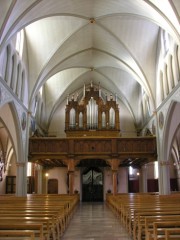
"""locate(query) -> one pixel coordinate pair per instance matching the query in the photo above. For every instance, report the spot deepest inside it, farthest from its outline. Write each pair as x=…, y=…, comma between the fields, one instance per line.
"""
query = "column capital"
x=20, y=164
x=165, y=163
x=71, y=165
x=114, y=163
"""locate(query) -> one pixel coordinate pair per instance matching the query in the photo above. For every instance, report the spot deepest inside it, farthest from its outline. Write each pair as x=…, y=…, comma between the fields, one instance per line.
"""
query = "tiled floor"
x=95, y=221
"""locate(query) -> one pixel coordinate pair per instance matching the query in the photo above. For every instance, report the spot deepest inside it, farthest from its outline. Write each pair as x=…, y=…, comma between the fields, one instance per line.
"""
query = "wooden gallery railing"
x=117, y=152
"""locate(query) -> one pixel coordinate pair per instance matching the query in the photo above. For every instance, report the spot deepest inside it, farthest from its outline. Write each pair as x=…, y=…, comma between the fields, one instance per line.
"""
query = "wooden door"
x=52, y=186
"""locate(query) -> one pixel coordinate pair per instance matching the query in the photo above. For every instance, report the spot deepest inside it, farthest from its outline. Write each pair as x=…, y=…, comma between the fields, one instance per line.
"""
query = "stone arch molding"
x=11, y=114
x=171, y=126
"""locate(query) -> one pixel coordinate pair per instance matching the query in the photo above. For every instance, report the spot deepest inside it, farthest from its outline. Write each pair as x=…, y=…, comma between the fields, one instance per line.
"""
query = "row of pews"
x=42, y=217
x=148, y=216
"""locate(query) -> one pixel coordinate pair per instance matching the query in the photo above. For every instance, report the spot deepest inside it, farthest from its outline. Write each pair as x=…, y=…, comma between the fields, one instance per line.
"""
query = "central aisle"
x=95, y=221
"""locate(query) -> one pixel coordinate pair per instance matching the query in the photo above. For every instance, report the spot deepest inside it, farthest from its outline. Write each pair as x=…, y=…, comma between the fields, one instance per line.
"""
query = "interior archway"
x=11, y=142
x=92, y=185
x=172, y=144
x=92, y=179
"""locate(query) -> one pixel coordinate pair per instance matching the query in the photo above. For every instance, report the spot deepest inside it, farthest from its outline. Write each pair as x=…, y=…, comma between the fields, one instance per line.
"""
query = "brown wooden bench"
x=37, y=228
x=139, y=222
x=17, y=235
x=163, y=229
x=149, y=221
x=172, y=233
x=54, y=212
x=134, y=208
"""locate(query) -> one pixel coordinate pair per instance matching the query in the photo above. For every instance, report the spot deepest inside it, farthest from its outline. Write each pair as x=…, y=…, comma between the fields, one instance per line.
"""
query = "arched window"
x=23, y=86
x=165, y=36
x=29, y=169
x=8, y=65
x=35, y=105
x=72, y=122
x=19, y=80
x=161, y=86
x=156, y=172
x=20, y=42
x=148, y=106
x=13, y=71
x=41, y=113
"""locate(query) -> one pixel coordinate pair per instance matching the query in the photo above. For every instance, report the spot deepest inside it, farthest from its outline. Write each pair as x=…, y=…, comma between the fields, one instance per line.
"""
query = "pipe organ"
x=92, y=114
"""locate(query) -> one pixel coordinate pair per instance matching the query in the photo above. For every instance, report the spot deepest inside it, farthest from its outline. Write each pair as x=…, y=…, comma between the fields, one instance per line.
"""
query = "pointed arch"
x=171, y=126
x=9, y=117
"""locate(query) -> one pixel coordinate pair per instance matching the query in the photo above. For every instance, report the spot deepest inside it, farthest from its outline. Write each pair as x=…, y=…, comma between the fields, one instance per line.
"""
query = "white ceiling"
x=71, y=42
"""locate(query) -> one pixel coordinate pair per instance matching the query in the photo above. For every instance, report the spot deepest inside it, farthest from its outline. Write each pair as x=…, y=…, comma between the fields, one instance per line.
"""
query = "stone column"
x=21, y=179
x=143, y=179
x=38, y=179
x=164, y=178
x=163, y=164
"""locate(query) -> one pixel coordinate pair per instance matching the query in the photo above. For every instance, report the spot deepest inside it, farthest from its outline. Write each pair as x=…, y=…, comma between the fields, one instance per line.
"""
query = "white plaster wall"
x=108, y=183
x=126, y=122
x=77, y=180
x=61, y=175
x=122, y=176
x=57, y=124
x=123, y=180
x=12, y=167
x=150, y=170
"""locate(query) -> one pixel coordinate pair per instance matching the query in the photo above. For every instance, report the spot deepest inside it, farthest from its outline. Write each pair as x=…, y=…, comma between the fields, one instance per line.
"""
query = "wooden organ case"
x=92, y=115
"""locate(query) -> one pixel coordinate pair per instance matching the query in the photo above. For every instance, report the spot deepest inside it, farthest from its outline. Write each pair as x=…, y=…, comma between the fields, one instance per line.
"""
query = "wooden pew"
x=37, y=228
x=53, y=211
x=172, y=234
x=163, y=229
x=149, y=221
x=132, y=209
x=17, y=235
x=42, y=201
x=140, y=216
x=53, y=222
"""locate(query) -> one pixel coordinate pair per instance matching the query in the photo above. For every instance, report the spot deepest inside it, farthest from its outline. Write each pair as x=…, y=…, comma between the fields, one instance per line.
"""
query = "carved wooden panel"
x=137, y=145
x=48, y=145
x=92, y=146
x=137, y=150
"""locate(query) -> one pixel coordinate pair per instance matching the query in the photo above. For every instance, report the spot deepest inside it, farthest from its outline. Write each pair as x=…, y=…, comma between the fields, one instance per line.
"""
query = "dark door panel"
x=92, y=185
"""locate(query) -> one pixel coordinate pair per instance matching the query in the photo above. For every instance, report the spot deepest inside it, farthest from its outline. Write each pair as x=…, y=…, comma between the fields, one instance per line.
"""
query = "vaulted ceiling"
x=72, y=42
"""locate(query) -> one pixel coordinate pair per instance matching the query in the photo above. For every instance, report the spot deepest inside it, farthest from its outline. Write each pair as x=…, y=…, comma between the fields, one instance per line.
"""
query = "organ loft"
x=92, y=114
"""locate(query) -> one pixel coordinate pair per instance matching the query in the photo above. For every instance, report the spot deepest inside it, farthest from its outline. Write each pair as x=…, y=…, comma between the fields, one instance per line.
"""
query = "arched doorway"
x=92, y=185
